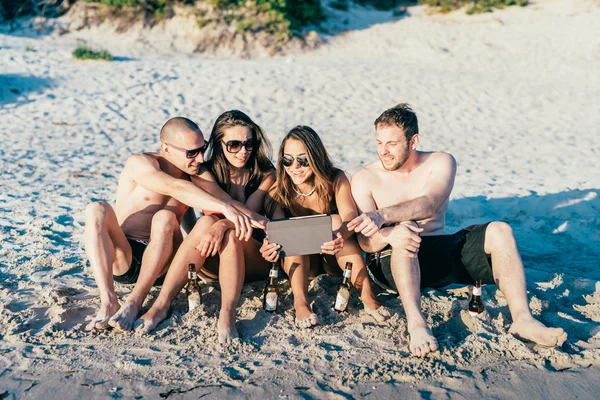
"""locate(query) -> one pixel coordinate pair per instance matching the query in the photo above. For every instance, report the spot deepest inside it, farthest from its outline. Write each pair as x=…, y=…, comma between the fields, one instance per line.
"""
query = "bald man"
x=133, y=242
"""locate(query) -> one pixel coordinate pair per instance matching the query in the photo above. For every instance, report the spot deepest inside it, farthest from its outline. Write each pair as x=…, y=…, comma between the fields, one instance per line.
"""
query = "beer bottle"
x=476, y=306
x=271, y=293
x=192, y=289
x=343, y=291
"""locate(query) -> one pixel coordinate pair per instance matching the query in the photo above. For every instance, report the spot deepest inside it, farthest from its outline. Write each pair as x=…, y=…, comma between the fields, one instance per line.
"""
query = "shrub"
x=86, y=53
x=474, y=6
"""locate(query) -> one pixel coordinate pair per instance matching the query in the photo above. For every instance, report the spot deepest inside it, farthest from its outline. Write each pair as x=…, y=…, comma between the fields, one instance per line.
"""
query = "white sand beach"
x=514, y=95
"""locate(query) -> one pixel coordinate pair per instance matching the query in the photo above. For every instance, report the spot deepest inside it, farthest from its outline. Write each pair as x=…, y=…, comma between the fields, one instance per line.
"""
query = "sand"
x=513, y=95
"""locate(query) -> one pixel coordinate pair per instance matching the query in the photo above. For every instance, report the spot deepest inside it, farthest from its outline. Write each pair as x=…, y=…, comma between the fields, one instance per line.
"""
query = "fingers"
x=364, y=225
x=334, y=246
x=248, y=224
x=409, y=254
x=270, y=251
x=370, y=231
x=412, y=227
x=236, y=222
x=354, y=223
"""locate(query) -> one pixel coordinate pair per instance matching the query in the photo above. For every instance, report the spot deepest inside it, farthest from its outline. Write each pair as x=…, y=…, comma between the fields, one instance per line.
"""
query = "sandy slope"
x=512, y=95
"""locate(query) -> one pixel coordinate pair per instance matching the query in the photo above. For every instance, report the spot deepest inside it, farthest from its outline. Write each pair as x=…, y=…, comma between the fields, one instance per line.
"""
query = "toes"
x=433, y=346
x=91, y=326
x=140, y=327
x=113, y=321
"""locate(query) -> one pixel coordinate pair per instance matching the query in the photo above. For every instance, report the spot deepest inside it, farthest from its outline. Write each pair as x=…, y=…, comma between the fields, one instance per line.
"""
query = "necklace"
x=302, y=194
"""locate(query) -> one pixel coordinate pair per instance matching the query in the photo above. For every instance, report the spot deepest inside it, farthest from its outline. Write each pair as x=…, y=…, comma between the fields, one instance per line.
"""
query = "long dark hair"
x=259, y=162
x=282, y=192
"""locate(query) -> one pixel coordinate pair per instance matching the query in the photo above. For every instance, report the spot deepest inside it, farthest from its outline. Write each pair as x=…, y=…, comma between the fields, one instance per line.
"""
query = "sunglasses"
x=193, y=153
x=288, y=160
x=235, y=146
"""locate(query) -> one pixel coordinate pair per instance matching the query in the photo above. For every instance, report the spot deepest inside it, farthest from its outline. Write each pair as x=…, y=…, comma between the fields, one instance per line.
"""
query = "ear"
x=165, y=149
x=414, y=141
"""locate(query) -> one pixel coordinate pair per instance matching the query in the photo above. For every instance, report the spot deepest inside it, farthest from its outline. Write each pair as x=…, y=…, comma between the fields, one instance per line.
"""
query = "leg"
x=510, y=278
x=257, y=268
x=231, y=279
x=297, y=268
x=407, y=277
x=165, y=237
x=176, y=276
x=360, y=277
x=108, y=251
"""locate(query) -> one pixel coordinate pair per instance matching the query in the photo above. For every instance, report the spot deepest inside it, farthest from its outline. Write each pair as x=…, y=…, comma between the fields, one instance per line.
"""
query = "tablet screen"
x=300, y=235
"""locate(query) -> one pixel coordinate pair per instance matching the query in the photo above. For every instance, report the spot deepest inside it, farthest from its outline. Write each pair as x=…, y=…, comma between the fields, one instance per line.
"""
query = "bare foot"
x=101, y=319
x=226, y=327
x=305, y=318
x=422, y=340
x=531, y=329
x=124, y=318
x=380, y=313
x=148, y=321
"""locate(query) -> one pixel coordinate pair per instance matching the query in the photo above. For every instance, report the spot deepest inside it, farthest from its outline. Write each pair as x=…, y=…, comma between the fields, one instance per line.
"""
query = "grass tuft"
x=86, y=53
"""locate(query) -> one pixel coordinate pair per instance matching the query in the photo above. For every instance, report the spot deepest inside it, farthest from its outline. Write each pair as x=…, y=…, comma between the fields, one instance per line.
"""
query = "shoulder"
x=203, y=176
x=437, y=160
x=141, y=162
x=269, y=175
x=366, y=173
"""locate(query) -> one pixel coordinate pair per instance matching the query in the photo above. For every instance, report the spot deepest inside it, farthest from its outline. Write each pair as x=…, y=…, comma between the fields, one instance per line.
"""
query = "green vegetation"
x=29, y=48
x=341, y=5
x=473, y=6
x=444, y=6
x=86, y=53
x=280, y=18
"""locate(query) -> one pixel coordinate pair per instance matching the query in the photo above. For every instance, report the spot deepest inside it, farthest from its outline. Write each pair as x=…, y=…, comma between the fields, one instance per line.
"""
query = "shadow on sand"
x=15, y=89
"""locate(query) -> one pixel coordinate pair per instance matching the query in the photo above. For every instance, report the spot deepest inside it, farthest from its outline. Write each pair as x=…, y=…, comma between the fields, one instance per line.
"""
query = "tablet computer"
x=299, y=236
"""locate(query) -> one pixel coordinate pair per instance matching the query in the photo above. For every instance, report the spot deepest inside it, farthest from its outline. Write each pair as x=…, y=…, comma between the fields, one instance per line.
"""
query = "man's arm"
x=207, y=182
x=435, y=192
x=146, y=172
x=361, y=192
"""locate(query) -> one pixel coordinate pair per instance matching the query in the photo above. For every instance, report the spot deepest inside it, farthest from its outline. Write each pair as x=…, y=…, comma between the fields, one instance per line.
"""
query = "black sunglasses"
x=193, y=153
x=288, y=160
x=235, y=146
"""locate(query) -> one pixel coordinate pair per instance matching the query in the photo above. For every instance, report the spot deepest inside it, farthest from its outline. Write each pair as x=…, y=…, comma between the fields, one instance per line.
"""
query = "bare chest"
x=391, y=189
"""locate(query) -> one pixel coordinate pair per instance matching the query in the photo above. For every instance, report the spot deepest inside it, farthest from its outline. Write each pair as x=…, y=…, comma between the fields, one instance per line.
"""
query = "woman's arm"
x=344, y=202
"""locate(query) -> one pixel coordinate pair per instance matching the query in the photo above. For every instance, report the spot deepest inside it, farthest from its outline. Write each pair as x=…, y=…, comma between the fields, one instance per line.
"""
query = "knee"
x=497, y=235
x=397, y=237
x=229, y=239
x=165, y=220
x=95, y=212
x=205, y=221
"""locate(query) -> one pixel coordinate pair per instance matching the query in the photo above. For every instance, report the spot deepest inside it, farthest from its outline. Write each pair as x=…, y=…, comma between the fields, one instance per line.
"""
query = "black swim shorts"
x=443, y=259
x=137, y=251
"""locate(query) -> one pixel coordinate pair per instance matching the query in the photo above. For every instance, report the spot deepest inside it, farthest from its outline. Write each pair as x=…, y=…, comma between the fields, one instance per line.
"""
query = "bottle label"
x=194, y=301
x=474, y=313
x=476, y=291
x=341, y=300
x=274, y=273
x=192, y=275
x=271, y=301
x=347, y=273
